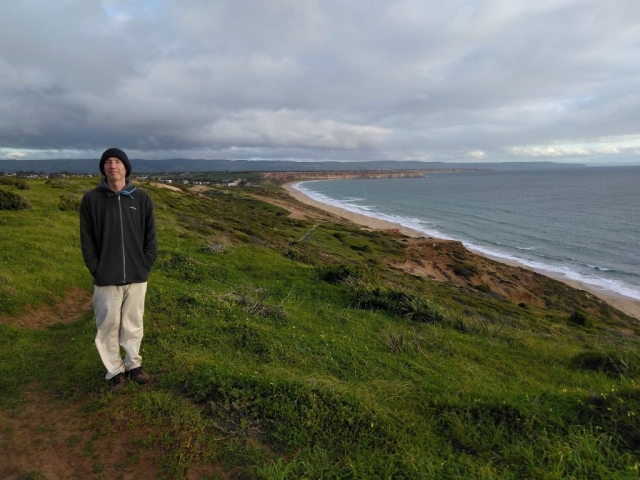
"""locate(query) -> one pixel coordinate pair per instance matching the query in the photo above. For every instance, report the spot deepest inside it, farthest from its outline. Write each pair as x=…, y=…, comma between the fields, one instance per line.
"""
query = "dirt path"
x=306, y=235
x=76, y=303
x=45, y=437
x=167, y=186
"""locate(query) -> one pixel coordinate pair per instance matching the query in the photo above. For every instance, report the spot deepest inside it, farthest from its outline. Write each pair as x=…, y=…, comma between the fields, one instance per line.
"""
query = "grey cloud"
x=319, y=79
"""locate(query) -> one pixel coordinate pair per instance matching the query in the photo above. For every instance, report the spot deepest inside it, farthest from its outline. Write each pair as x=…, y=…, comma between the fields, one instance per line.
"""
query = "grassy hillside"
x=290, y=348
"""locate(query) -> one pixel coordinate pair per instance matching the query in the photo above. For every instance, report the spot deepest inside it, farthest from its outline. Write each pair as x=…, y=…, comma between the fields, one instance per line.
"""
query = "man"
x=119, y=247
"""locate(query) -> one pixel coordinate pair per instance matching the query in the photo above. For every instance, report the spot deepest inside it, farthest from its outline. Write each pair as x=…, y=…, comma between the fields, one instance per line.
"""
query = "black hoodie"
x=118, y=234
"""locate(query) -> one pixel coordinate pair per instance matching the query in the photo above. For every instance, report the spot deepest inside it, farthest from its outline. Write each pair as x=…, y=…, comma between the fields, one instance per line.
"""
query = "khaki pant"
x=119, y=310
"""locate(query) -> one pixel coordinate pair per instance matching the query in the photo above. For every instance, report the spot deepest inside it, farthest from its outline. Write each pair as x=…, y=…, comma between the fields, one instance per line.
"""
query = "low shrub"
x=580, y=318
x=69, y=202
x=612, y=363
x=397, y=302
x=465, y=269
x=182, y=268
x=241, y=236
x=252, y=300
x=13, y=201
x=615, y=412
x=57, y=183
x=22, y=185
x=366, y=248
x=488, y=420
x=7, y=180
x=298, y=255
x=336, y=274
x=292, y=415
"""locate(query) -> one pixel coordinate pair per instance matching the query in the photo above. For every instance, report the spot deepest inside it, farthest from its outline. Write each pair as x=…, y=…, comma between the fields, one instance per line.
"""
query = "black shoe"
x=117, y=383
x=139, y=376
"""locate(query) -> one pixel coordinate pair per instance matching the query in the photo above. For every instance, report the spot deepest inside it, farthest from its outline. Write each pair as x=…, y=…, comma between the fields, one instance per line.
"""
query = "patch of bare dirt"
x=450, y=261
x=75, y=304
x=51, y=437
x=200, y=189
x=168, y=187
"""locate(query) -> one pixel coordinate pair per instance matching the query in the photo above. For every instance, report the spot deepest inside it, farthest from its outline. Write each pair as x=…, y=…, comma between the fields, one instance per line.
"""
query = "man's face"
x=114, y=169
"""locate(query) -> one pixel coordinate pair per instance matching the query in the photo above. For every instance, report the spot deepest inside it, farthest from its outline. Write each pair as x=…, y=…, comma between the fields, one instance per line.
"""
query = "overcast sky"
x=455, y=80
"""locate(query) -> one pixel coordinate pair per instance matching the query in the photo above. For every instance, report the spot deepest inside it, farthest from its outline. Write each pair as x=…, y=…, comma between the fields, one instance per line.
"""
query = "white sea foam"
x=562, y=271
x=600, y=269
x=412, y=223
x=607, y=285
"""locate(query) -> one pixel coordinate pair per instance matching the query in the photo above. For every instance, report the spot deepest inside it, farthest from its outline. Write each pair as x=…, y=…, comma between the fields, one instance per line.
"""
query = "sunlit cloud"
x=13, y=154
x=477, y=154
x=548, y=151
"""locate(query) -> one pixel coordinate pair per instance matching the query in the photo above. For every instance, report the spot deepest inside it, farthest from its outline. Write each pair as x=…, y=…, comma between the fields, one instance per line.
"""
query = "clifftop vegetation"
x=291, y=344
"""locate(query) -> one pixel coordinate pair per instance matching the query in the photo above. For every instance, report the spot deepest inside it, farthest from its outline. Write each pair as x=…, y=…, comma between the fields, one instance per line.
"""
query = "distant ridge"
x=175, y=165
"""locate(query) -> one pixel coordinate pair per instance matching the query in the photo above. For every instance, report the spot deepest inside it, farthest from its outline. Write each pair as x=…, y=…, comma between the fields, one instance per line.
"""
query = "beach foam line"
x=411, y=223
x=615, y=287
x=610, y=286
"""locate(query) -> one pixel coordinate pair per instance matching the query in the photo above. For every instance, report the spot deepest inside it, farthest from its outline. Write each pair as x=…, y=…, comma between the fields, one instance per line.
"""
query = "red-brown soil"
x=47, y=436
x=75, y=304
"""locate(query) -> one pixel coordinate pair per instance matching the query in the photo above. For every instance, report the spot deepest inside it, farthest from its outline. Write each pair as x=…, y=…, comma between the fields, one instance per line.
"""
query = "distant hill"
x=186, y=165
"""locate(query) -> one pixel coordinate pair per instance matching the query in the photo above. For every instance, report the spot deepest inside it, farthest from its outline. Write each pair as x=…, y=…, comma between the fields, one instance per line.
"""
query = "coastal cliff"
x=449, y=262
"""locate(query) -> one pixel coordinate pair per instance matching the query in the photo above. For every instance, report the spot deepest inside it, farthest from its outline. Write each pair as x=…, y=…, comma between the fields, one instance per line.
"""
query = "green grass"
x=281, y=358
x=40, y=247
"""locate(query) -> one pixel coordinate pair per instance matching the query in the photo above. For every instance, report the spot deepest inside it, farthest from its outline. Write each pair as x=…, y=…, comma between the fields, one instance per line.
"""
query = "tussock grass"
x=13, y=201
x=613, y=362
x=252, y=301
x=70, y=202
x=286, y=359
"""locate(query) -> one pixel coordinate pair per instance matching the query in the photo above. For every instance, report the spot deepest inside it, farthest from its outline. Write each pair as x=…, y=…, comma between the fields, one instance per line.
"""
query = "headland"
x=628, y=305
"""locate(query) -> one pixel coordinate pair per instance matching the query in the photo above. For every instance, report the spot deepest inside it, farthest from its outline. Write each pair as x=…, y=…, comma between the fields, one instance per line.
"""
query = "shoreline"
x=628, y=305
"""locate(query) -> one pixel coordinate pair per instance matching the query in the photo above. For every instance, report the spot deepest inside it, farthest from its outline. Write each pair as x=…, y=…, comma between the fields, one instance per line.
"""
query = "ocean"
x=581, y=223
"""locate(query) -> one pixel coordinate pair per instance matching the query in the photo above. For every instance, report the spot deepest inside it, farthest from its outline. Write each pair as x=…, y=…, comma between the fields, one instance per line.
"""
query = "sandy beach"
x=630, y=306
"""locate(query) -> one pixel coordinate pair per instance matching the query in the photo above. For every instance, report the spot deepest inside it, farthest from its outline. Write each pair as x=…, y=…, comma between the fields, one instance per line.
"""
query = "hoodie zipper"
x=124, y=261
